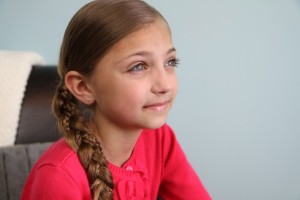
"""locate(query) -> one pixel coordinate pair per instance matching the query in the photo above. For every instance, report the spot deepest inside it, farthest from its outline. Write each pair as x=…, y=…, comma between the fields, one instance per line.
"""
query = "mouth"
x=161, y=106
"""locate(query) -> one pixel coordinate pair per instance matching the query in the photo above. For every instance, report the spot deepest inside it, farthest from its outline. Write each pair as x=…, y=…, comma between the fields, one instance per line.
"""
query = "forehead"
x=153, y=41
x=149, y=35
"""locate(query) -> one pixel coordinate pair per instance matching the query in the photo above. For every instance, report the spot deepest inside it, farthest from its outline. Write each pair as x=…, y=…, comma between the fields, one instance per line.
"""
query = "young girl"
x=118, y=83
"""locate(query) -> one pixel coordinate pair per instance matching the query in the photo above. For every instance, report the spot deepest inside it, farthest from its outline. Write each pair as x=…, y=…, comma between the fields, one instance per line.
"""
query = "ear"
x=77, y=85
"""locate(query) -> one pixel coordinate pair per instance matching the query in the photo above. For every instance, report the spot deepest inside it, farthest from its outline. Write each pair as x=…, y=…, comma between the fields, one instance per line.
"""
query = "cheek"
x=124, y=96
x=123, y=106
x=132, y=98
x=175, y=85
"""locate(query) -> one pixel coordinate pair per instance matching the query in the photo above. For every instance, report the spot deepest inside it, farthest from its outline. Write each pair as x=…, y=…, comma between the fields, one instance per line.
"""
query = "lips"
x=157, y=106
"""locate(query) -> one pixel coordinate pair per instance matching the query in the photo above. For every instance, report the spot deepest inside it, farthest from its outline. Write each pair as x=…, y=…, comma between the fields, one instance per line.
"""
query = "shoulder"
x=157, y=141
x=59, y=154
x=178, y=179
x=57, y=169
x=161, y=142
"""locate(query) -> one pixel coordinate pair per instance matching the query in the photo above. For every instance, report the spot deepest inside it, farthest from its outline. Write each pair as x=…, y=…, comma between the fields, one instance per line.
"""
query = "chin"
x=154, y=124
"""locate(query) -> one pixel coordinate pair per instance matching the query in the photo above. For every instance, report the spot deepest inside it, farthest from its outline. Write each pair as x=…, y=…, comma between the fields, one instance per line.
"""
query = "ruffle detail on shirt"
x=136, y=187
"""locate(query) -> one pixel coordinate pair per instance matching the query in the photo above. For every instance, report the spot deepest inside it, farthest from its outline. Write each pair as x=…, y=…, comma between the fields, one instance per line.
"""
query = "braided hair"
x=93, y=30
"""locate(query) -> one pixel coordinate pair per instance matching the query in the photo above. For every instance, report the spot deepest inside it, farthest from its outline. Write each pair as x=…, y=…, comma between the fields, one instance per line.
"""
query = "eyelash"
x=137, y=68
x=171, y=63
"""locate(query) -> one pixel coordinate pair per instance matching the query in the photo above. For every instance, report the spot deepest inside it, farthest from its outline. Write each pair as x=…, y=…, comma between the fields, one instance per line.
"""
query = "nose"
x=163, y=81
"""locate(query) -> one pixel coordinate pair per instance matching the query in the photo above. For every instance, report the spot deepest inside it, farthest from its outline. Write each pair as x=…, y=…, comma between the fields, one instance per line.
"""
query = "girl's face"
x=134, y=84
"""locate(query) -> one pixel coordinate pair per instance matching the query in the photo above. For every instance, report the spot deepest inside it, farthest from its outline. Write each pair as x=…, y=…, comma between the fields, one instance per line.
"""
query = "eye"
x=138, y=67
x=172, y=63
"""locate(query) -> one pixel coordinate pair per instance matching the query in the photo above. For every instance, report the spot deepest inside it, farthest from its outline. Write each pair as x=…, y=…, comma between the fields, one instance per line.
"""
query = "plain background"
x=237, y=115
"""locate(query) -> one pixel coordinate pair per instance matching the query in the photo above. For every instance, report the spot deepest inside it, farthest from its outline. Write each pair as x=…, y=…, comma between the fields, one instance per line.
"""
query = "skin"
x=132, y=87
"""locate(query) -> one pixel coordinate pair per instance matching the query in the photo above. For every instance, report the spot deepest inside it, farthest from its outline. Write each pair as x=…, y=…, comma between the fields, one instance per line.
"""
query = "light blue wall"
x=237, y=114
x=35, y=25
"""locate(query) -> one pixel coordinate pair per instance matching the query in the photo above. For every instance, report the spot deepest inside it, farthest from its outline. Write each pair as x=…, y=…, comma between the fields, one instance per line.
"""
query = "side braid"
x=74, y=128
x=95, y=165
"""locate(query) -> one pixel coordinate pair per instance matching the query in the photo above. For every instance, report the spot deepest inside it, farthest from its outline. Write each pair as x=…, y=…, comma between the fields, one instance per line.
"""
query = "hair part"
x=91, y=33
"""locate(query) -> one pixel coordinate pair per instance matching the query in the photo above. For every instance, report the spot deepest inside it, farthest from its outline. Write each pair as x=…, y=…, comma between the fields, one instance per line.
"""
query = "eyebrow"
x=145, y=53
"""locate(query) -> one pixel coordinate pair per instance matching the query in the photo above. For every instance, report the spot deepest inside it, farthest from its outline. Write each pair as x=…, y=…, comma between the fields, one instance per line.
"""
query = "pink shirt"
x=157, y=166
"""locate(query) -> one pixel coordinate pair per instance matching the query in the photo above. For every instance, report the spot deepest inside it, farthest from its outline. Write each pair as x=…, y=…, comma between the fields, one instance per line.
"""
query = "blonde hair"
x=93, y=30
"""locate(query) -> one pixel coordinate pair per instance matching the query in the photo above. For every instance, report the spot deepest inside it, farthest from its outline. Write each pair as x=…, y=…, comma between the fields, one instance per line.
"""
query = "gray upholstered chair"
x=15, y=164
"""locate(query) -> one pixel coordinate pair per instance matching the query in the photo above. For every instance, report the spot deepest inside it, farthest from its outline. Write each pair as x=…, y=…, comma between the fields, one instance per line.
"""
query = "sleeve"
x=179, y=180
x=52, y=183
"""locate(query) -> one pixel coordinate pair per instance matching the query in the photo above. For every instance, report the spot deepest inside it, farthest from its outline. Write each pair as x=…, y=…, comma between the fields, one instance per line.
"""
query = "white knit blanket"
x=15, y=67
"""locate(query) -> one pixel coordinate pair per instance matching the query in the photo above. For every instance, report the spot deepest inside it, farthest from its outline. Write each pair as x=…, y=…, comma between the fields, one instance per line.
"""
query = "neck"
x=117, y=144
